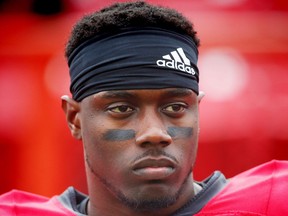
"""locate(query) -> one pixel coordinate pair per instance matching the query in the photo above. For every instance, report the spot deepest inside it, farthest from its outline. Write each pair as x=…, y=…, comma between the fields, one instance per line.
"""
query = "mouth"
x=154, y=169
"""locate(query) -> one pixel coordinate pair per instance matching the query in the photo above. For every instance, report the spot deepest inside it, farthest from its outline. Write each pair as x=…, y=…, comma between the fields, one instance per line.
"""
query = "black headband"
x=146, y=58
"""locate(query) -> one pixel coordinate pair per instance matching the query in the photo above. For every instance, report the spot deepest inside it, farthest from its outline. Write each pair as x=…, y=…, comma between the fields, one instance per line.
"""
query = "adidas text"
x=176, y=65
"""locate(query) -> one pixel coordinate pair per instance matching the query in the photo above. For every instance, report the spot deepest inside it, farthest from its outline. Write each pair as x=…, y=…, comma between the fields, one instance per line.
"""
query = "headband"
x=146, y=58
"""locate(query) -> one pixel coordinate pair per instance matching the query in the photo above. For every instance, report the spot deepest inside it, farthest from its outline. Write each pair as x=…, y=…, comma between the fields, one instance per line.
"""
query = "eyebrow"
x=116, y=94
x=178, y=92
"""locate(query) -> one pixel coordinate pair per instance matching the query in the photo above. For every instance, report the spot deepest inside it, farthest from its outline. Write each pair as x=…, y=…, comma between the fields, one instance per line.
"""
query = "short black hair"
x=125, y=15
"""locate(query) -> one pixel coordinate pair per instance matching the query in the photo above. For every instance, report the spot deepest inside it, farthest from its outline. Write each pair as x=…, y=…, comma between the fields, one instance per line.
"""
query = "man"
x=134, y=105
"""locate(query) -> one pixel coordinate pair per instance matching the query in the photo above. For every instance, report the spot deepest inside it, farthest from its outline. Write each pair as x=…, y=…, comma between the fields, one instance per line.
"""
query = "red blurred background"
x=243, y=70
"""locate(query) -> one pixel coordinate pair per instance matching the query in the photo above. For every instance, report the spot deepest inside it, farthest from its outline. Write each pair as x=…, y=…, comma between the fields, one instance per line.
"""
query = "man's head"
x=134, y=82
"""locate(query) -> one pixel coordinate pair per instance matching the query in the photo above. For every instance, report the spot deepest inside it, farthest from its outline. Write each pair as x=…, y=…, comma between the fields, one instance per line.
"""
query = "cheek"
x=193, y=146
x=185, y=140
x=106, y=149
x=95, y=149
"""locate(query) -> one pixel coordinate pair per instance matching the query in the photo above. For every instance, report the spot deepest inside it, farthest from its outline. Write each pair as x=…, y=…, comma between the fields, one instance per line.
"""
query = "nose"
x=152, y=132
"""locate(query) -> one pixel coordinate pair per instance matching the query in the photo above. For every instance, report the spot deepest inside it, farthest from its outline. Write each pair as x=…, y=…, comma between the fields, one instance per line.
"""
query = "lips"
x=154, y=169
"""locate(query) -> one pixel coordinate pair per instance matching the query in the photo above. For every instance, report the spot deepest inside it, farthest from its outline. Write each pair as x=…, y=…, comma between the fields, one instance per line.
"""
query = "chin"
x=150, y=203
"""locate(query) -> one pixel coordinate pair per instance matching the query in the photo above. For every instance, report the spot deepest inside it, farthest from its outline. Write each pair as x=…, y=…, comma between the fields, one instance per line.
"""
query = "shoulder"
x=18, y=202
x=259, y=191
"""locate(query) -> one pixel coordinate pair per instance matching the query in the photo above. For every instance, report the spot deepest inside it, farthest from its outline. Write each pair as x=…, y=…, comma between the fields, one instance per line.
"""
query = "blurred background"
x=243, y=70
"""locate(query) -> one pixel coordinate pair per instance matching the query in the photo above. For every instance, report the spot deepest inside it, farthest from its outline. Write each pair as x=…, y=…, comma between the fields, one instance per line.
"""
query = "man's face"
x=140, y=145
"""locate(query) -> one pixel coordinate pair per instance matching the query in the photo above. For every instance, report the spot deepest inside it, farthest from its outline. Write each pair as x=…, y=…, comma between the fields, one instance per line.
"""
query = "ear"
x=200, y=96
x=71, y=109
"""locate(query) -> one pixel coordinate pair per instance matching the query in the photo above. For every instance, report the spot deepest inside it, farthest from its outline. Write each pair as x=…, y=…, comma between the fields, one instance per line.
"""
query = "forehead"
x=167, y=92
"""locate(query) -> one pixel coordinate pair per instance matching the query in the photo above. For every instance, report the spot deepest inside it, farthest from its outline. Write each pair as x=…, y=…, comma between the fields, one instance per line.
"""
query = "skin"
x=119, y=129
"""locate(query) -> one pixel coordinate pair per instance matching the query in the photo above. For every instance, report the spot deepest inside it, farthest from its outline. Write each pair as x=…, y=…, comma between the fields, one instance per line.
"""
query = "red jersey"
x=27, y=204
x=256, y=192
x=260, y=191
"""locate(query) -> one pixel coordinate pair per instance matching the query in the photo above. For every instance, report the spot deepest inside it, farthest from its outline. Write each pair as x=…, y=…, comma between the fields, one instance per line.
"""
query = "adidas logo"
x=177, y=60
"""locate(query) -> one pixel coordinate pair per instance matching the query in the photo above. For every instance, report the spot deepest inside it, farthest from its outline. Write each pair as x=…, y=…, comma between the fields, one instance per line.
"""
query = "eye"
x=174, y=108
x=121, y=109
